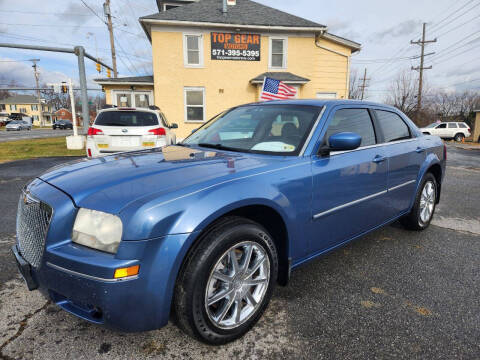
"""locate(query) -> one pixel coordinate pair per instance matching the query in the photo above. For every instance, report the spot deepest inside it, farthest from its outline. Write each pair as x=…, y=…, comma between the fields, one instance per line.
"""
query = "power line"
x=456, y=48
x=43, y=13
x=434, y=26
x=92, y=11
x=456, y=27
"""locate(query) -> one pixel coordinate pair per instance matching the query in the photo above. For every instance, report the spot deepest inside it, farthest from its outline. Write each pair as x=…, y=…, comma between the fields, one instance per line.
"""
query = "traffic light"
x=99, y=67
x=109, y=73
x=64, y=88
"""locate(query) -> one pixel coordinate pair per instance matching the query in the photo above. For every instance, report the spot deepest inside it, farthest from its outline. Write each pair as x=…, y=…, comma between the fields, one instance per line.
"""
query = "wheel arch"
x=265, y=215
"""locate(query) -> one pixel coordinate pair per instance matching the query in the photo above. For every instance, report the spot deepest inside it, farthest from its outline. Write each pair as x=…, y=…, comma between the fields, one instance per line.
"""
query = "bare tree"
x=354, y=88
x=403, y=93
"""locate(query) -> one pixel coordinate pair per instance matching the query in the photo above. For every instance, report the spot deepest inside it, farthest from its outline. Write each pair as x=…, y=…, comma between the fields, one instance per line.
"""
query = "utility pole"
x=364, y=84
x=108, y=14
x=35, y=72
x=421, y=67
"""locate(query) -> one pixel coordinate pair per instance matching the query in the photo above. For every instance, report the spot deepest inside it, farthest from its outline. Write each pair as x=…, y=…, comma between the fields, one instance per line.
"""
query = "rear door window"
x=126, y=118
x=353, y=120
x=452, y=125
x=392, y=125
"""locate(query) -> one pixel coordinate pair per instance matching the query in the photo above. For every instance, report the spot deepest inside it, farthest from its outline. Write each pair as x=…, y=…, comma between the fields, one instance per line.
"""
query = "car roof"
x=129, y=109
x=322, y=102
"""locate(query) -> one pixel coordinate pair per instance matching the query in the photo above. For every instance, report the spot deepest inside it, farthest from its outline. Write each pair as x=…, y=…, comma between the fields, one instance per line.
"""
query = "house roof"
x=287, y=77
x=143, y=80
x=20, y=100
x=244, y=13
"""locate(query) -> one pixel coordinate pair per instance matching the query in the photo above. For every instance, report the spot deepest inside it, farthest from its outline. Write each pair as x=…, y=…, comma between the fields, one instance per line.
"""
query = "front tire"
x=423, y=209
x=226, y=282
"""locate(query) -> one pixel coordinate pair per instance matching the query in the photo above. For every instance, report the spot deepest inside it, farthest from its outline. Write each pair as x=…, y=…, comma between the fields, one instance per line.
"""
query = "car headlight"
x=97, y=230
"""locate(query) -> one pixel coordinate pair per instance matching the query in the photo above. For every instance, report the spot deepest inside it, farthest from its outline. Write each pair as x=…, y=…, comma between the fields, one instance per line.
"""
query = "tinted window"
x=392, y=125
x=353, y=120
x=126, y=118
x=276, y=129
x=441, y=126
x=462, y=125
x=452, y=125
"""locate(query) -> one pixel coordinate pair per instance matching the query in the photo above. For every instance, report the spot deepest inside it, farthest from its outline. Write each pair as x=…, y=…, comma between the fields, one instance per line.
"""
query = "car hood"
x=111, y=183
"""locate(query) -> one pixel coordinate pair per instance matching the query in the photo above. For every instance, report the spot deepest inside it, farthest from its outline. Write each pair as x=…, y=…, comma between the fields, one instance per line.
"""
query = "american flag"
x=276, y=90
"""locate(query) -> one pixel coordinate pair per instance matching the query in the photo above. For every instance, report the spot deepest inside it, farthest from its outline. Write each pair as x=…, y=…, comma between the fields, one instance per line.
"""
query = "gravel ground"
x=392, y=294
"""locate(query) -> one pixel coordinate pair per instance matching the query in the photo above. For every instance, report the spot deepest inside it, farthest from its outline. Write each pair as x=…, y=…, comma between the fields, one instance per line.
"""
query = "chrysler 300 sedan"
x=202, y=231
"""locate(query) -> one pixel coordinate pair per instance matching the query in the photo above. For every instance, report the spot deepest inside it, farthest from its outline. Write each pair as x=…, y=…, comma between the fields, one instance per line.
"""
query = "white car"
x=448, y=130
x=127, y=129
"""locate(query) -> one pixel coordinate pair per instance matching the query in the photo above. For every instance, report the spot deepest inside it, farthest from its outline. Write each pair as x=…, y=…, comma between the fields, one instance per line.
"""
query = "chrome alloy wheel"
x=237, y=285
x=427, y=201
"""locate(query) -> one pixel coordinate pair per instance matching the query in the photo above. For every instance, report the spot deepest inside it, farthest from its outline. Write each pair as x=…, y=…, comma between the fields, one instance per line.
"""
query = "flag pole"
x=263, y=87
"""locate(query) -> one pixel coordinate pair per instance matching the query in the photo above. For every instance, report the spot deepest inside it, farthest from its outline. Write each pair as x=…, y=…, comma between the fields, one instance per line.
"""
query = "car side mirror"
x=194, y=130
x=173, y=126
x=342, y=141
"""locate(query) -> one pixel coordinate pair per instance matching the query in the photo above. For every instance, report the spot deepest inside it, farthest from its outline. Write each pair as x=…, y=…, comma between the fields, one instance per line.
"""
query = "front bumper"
x=81, y=280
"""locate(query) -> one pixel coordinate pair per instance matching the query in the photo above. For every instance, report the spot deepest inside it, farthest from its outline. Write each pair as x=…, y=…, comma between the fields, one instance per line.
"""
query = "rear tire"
x=421, y=215
x=226, y=282
x=459, y=137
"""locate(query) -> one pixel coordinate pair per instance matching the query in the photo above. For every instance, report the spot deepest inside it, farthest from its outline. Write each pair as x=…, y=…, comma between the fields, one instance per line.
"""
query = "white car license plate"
x=121, y=141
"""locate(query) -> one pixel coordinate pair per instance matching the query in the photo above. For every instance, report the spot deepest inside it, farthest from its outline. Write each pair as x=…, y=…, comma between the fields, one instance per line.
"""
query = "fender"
x=431, y=159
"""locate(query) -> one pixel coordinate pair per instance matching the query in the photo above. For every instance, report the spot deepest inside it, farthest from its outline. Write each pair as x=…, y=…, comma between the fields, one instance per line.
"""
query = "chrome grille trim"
x=33, y=219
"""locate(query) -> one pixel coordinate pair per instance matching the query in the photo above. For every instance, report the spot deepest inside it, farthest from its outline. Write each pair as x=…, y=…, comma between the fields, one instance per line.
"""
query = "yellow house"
x=206, y=60
x=28, y=105
x=476, y=126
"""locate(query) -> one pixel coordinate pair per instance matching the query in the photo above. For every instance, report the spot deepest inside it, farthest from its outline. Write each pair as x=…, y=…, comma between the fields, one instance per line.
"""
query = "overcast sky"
x=384, y=28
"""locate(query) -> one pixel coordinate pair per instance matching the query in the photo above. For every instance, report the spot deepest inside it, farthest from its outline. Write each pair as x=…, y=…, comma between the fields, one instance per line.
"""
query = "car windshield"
x=273, y=129
x=432, y=125
x=15, y=122
x=126, y=118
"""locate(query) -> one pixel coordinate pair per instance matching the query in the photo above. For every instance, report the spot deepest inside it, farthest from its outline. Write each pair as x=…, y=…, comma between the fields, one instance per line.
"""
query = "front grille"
x=33, y=218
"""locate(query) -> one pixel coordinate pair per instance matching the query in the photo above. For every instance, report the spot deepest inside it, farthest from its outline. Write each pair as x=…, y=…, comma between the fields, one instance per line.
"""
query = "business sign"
x=242, y=47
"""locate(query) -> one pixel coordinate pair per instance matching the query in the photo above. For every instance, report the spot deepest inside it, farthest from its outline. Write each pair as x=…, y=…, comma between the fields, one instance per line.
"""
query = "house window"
x=194, y=104
x=23, y=110
x=35, y=117
x=278, y=53
x=193, y=50
x=34, y=107
x=326, y=95
x=13, y=107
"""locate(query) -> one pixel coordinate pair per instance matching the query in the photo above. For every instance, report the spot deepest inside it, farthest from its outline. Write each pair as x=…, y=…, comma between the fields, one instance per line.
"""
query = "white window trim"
x=185, y=90
x=185, y=50
x=325, y=93
x=132, y=93
x=285, y=52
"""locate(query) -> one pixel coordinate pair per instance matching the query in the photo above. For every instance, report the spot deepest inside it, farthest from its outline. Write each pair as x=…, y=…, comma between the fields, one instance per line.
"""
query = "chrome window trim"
x=339, y=207
x=90, y=277
x=401, y=185
x=372, y=146
x=315, y=125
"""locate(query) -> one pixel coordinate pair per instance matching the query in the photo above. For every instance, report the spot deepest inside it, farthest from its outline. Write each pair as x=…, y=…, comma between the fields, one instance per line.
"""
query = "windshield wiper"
x=220, y=147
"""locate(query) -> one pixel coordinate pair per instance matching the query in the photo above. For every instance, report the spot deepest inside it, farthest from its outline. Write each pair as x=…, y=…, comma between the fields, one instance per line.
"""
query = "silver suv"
x=448, y=130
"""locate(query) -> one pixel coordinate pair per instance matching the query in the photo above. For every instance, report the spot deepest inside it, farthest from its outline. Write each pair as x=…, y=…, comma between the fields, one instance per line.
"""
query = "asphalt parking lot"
x=391, y=294
x=32, y=134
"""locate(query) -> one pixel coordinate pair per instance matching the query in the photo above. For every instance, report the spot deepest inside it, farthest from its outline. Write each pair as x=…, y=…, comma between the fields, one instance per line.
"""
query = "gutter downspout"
x=347, y=82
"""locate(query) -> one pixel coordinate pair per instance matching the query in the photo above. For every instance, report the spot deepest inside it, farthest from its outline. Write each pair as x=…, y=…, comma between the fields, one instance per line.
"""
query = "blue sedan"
x=204, y=230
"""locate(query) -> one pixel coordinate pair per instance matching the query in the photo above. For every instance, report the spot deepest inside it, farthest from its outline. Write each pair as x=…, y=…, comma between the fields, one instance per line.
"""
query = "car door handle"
x=420, y=150
x=379, y=158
